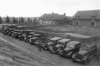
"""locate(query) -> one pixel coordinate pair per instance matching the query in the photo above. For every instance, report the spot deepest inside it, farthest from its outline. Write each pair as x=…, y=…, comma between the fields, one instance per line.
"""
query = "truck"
x=85, y=54
x=51, y=42
x=59, y=46
x=71, y=48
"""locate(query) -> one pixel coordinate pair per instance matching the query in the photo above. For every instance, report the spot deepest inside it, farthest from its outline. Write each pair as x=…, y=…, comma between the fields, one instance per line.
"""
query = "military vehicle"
x=85, y=54
x=51, y=42
x=28, y=36
x=59, y=46
x=71, y=48
x=33, y=39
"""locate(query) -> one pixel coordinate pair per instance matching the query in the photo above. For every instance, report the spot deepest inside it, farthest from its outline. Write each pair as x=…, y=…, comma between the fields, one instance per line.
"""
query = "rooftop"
x=55, y=38
x=64, y=40
x=73, y=42
x=88, y=14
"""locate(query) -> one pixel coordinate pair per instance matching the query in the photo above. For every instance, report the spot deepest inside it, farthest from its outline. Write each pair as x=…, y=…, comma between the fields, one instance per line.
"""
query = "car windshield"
x=82, y=52
x=23, y=34
x=70, y=46
x=84, y=48
x=34, y=38
x=59, y=44
x=31, y=33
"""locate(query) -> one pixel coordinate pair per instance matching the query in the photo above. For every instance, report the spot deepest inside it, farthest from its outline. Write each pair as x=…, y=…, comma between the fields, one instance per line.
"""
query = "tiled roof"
x=87, y=14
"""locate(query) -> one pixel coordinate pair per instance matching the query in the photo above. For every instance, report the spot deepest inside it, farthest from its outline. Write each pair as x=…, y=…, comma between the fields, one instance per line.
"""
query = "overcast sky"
x=31, y=8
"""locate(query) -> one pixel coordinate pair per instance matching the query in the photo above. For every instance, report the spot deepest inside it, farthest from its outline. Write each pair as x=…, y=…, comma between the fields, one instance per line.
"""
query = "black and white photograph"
x=49, y=32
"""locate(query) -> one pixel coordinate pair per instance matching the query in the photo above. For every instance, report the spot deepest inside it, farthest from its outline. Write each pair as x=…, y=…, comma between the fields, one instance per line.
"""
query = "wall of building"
x=98, y=23
x=41, y=22
x=86, y=22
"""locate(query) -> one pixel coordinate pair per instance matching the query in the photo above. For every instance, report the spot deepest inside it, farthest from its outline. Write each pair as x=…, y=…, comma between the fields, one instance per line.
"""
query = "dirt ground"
x=11, y=55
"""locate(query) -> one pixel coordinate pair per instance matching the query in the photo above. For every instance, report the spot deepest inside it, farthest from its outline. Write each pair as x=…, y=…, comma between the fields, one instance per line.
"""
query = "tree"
x=35, y=21
x=21, y=20
x=14, y=20
x=7, y=20
x=29, y=20
x=1, y=21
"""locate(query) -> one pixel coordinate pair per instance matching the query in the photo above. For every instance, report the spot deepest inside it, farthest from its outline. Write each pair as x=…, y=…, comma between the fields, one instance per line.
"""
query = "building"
x=89, y=18
x=53, y=19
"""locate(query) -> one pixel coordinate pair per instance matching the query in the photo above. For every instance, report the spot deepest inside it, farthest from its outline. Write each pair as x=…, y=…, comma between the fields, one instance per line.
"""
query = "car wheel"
x=73, y=60
x=85, y=61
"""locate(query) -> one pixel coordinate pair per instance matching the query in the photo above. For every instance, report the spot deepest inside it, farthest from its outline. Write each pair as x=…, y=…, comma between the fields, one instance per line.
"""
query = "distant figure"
x=97, y=53
x=39, y=45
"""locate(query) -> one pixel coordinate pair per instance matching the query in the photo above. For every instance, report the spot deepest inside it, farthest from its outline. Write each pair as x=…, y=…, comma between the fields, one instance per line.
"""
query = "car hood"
x=67, y=48
x=82, y=52
x=59, y=45
x=50, y=43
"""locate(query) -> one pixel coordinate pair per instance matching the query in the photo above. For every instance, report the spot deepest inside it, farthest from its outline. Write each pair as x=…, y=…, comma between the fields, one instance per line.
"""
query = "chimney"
x=64, y=14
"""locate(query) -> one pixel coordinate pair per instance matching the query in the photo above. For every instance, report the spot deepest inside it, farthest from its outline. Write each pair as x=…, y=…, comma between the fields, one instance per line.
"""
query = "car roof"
x=20, y=26
x=36, y=34
x=88, y=46
x=32, y=32
x=73, y=42
x=8, y=24
x=34, y=38
x=18, y=30
x=55, y=38
x=64, y=40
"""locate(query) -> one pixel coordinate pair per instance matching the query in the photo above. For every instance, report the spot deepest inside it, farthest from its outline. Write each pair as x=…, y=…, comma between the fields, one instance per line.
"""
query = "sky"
x=36, y=8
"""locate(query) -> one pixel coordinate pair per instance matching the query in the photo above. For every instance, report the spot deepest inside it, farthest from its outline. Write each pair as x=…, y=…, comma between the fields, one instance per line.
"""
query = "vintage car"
x=22, y=36
x=28, y=36
x=11, y=32
x=6, y=31
x=85, y=54
x=17, y=33
x=51, y=42
x=71, y=48
x=33, y=39
x=59, y=46
x=3, y=29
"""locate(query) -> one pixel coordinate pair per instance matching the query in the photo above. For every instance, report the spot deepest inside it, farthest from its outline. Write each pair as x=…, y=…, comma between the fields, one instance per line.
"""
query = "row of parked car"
x=61, y=46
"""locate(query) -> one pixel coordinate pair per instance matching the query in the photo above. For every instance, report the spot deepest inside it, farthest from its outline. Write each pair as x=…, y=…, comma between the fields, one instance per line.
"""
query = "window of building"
x=93, y=23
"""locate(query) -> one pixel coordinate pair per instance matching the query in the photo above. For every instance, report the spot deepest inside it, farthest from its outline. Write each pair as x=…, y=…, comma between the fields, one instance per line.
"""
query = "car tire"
x=73, y=60
x=85, y=61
